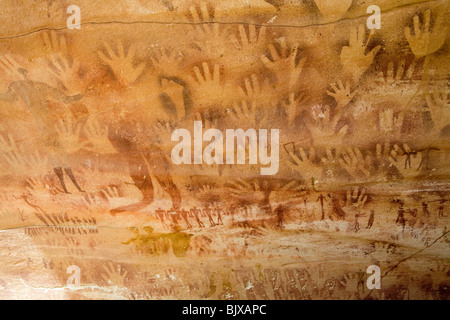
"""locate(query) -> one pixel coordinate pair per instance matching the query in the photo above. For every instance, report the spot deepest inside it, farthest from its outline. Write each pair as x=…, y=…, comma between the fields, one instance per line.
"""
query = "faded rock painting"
x=124, y=175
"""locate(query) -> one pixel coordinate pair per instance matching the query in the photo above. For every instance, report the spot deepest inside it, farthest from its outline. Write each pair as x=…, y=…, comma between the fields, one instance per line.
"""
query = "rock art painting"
x=223, y=150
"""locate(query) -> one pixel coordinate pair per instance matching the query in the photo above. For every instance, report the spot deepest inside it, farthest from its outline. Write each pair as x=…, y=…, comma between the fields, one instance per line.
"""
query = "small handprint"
x=342, y=94
x=69, y=135
x=12, y=68
x=284, y=64
x=244, y=114
x=253, y=190
x=288, y=191
x=67, y=72
x=163, y=130
x=167, y=63
x=90, y=201
x=438, y=103
x=208, y=90
x=354, y=59
x=112, y=195
x=403, y=73
x=22, y=162
x=39, y=163
x=12, y=153
x=406, y=160
x=71, y=242
x=356, y=199
x=208, y=36
x=380, y=161
x=440, y=267
x=252, y=42
x=122, y=64
x=114, y=276
x=55, y=44
x=98, y=137
x=36, y=186
x=397, y=86
x=323, y=127
x=382, y=251
x=306, y=164
x=357, y=166
x=424, y=42
x=64, y=68
x=262, y=93
x=332, y=156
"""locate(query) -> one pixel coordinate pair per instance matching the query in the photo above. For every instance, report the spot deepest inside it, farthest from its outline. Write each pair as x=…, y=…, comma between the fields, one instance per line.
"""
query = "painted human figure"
x=401, y=215
x=279, y=211
x=218, y=211
x=184, y=214
x=425, y=209
x=371, y=219
x=195, y=212
x=321, y=198
x=208, y=211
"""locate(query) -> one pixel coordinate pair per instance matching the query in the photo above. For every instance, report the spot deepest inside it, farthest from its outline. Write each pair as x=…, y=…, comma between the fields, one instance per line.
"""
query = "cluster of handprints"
x=355, y=129
x=273, y=283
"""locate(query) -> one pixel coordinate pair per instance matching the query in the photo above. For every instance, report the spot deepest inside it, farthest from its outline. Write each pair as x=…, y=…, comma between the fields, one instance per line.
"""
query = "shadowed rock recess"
x=279, y=149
